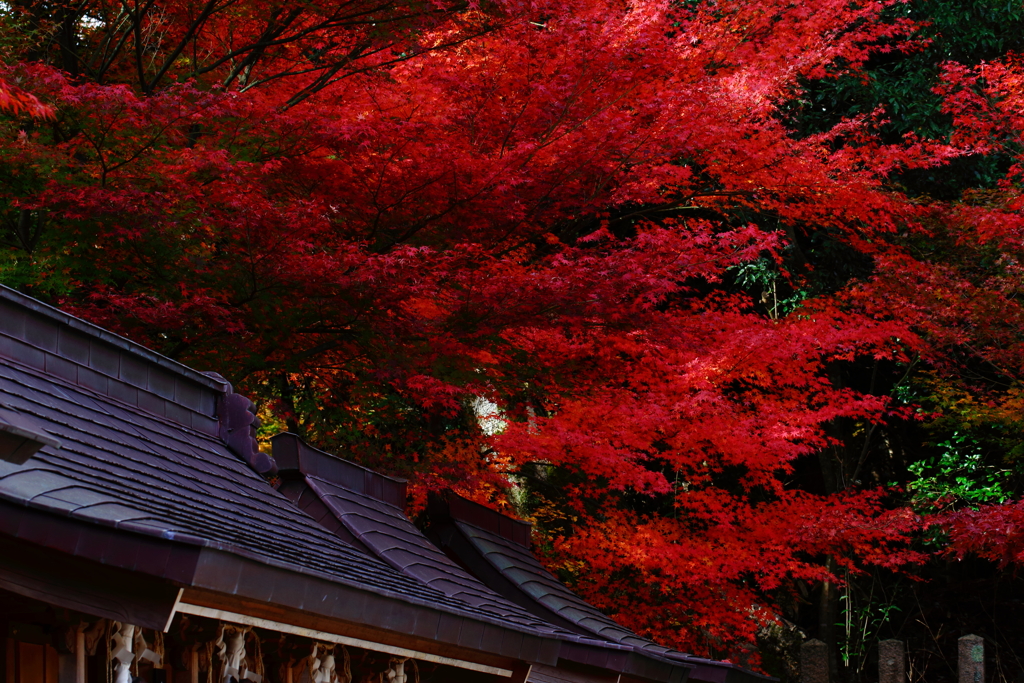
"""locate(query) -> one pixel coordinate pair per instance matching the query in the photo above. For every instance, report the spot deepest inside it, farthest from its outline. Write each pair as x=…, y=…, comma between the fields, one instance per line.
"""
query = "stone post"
x=814, y=662
x=971, y=655
x=892, y=662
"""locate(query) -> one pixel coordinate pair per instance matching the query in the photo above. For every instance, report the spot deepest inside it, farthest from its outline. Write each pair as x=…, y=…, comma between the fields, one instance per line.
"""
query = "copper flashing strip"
x=246, y=620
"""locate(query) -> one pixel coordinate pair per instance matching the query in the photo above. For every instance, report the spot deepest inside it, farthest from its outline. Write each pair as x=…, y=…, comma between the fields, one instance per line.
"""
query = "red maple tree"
x=376, y=214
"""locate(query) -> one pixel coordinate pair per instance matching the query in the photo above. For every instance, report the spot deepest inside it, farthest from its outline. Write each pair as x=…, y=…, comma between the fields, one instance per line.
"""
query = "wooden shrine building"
x=144, y=537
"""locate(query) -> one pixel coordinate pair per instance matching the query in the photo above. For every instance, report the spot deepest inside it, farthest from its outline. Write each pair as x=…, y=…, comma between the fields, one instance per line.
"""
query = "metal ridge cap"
x=122, y=343
x=292, y=454
x=334, y=456
x=590, y=640
x=326, y=480
x=455, y=507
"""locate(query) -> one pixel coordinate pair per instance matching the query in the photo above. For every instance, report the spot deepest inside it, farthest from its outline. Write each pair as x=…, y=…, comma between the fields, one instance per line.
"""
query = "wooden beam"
x=174, y=610
x=235, y=618
x=317, y=622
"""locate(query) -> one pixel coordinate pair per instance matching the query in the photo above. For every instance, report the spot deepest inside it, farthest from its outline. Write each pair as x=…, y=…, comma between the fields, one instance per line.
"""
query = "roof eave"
x=627, y=662
x=216, y=579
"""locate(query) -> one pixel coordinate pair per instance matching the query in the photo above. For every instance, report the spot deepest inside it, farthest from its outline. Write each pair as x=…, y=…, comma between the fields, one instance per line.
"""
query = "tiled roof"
x=119, y=466
x=140, y=453
x=394, y=539
x=363, y=509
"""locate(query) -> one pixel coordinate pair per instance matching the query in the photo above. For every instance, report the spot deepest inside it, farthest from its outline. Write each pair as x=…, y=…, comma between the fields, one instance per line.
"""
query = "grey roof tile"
x=31, y=483
x=57, y=503
x=113, y=513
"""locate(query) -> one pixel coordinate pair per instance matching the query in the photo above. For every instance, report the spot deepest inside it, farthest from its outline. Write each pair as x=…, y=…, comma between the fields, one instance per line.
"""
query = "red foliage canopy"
x=16, y=101
x=377, y=213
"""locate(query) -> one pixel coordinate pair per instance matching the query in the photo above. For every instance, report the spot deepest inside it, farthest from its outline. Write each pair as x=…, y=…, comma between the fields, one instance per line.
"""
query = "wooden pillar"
x=971, y=655
x=193, y=666
x=814, y=662
x=80, y=655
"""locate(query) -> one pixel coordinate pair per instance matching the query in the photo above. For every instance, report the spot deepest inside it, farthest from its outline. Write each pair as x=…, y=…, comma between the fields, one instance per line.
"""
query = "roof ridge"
x=460, y=509
x=291, y=453
x=211, y=380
